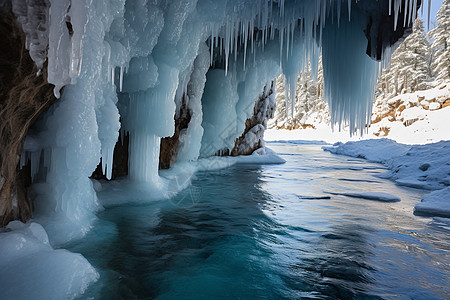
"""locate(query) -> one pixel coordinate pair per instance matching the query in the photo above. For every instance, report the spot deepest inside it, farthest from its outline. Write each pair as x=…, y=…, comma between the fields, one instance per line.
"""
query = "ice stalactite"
x=68, y=21
x=34, y=18
x=349, y=96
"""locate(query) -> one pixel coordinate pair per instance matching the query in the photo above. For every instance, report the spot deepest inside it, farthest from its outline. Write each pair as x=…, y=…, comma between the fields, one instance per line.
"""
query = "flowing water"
x=273, y=232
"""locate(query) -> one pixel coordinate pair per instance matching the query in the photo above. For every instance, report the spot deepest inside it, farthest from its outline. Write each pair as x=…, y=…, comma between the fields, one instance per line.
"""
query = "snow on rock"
x=31, y=269
x=253, y=137
x=413, y=118
x=378, y=196
x=436, y=203
x=261, y=156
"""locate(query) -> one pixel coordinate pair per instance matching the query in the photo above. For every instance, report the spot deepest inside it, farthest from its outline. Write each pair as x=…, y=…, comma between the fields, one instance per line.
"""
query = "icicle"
x=405, y=15
x=323, y=14
x=292, y=36
x=390, y=7
x=22, y=160
x=113, y=69
x=288, y=33
x=34, y=161
x=396, y=12
x=227, y=45
x=281, y=44
x=415, y=11
x=121, y=78
x=349, y=9
x=236, y=34
x=211, y=50
x=410, y=13
x=339, y=12
x=78, y=18
x=245, y=43
x=252, y=31
x=429, y=13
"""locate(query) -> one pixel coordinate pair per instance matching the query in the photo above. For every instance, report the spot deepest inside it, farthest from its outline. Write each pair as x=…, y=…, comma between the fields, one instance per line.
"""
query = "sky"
x=435, y=5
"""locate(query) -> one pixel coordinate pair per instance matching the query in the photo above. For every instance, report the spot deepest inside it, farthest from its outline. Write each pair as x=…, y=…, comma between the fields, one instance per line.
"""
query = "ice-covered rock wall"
x=133, y=64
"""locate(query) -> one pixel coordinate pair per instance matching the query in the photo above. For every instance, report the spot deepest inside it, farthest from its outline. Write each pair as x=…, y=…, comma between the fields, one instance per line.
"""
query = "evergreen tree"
x=280, y=118
x=441, y=43
x=320, y=88
x=409, y=64
x=309, y=106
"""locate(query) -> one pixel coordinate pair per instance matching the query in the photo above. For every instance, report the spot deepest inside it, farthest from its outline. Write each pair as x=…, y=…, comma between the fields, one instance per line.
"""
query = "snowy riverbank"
x=418, y=166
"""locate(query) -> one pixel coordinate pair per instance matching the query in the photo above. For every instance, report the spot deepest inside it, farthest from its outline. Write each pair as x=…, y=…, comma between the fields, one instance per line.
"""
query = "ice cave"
x=123, y=120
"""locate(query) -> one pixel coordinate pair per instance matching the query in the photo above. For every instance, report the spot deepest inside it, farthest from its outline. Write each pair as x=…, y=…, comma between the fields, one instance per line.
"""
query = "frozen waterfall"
x=130, y=66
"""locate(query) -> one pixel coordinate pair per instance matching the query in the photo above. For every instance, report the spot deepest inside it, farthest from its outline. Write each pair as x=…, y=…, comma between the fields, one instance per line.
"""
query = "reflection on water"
x=262, y=232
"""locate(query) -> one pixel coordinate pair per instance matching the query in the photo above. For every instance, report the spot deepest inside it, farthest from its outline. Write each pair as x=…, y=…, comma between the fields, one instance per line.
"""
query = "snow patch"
x=31, y=268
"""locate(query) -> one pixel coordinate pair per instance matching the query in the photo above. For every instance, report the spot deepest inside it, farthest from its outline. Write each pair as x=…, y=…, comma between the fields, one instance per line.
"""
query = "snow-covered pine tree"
x=280, y=119
x=409, y=71
x=309, y=105
x=409, y=64
x=306, y=95
x=441, y=43
x=320, y=91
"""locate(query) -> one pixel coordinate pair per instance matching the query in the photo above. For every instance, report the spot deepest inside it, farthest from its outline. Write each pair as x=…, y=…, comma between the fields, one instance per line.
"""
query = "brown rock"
x=24, y=97
x=446, y=103
x=169, y=145
x=401, y=108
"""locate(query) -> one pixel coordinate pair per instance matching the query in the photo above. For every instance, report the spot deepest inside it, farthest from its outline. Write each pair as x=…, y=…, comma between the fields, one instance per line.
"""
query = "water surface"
x=273, y=232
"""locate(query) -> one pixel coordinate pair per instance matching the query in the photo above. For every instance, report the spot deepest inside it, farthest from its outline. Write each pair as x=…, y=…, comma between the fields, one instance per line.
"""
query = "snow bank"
x=31, y=269
x=436, y=203
x=419, y=166
x=373, y=150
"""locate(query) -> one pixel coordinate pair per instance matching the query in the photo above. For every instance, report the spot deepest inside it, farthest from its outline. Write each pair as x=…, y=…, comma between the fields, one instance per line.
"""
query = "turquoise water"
x=261, y=232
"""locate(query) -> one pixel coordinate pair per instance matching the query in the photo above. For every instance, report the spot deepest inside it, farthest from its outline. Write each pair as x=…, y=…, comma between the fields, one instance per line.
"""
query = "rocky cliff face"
x=23, y=97
x=253, y=136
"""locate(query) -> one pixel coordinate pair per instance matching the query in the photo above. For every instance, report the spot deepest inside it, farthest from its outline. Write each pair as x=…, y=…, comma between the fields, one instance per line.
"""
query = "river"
x=273, y=232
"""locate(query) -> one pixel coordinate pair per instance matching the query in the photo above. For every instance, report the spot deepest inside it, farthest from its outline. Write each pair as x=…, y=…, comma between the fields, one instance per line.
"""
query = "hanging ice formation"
x=136, y=61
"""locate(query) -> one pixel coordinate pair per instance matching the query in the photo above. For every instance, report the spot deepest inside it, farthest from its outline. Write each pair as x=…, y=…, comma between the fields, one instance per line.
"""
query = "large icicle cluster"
x=138, y=61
